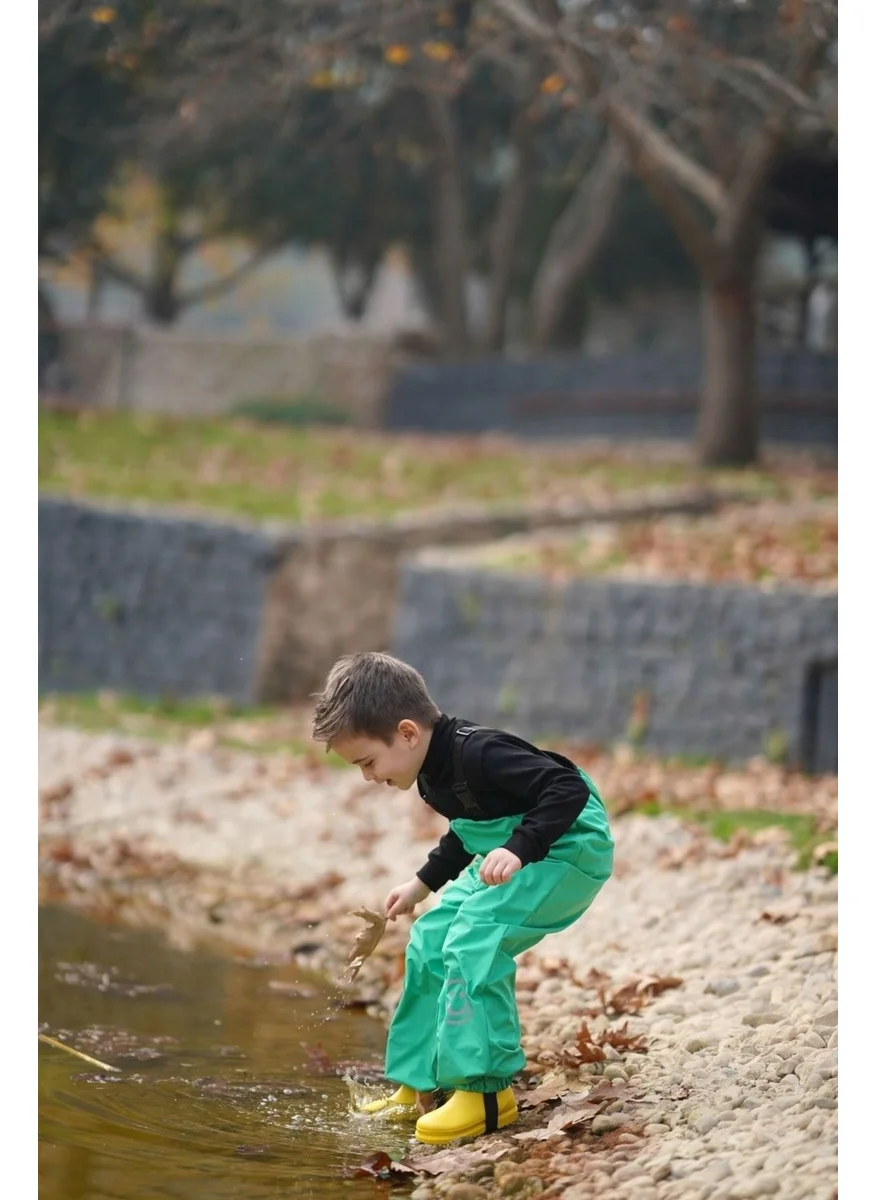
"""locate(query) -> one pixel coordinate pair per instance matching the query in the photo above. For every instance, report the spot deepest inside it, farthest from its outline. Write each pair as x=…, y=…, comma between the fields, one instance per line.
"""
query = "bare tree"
x=704, y=97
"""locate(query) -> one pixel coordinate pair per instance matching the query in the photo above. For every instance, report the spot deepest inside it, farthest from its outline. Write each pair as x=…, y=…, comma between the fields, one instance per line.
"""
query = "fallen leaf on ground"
x=633, y=996
x=461, y=1159
x=778, y=918
x=543, y=1095
x=366, y=941
x=380, y=1166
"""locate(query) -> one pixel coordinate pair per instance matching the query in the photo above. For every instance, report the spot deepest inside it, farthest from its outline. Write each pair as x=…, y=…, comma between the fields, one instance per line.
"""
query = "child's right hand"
x=405, y=898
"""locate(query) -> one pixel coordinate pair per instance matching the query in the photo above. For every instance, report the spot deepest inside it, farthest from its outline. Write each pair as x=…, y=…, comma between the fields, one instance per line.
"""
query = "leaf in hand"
x=366, y=941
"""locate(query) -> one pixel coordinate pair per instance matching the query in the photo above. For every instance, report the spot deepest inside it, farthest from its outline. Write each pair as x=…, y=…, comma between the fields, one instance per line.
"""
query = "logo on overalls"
x=457, y=1006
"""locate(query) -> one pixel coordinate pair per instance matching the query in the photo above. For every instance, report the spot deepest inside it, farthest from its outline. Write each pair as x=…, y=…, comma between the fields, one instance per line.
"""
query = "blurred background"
x=498, y=334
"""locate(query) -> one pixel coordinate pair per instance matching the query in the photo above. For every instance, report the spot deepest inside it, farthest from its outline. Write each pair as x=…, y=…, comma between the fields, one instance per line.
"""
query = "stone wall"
x=725, y=671
x=635, y=395
x=166, y=371
x=150, y=601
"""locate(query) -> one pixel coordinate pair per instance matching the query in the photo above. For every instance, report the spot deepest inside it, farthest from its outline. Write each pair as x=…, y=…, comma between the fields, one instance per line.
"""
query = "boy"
x=527, y=851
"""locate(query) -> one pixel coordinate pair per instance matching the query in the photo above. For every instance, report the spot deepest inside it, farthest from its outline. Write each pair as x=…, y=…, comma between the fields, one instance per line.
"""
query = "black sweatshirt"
x=506, y=776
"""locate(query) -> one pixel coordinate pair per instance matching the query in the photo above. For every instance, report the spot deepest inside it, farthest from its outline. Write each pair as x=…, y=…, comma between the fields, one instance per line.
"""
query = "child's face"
x=396, y=764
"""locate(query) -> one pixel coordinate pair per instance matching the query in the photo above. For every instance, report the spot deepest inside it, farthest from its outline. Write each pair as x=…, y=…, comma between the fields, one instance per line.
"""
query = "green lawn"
x=309, y=474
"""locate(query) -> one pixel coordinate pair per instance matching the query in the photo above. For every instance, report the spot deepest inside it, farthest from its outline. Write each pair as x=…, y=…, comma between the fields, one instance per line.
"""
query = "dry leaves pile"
x=764, y=544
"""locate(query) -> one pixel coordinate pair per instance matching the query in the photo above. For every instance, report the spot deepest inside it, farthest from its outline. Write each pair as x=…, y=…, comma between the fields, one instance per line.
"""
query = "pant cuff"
x=485, y=1083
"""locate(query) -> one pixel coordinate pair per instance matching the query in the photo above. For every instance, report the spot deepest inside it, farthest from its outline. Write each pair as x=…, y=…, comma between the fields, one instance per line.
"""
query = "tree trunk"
x=574, y=243
x=451, y=225
x=161, y=302
x=505, y=236
x=729, y=415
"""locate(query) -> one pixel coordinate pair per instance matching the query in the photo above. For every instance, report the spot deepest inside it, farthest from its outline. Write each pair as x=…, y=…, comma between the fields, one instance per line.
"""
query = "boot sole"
x=475, y=1130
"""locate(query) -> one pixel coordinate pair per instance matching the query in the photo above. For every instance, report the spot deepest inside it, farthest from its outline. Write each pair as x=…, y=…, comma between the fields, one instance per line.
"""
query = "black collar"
x=439, y=757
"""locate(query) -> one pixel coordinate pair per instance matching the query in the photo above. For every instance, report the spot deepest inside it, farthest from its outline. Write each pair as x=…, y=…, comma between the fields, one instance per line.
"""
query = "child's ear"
x=410, y=731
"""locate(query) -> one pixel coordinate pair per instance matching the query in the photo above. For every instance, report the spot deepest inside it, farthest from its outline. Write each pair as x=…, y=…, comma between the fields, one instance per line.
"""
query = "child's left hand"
x=499, y=866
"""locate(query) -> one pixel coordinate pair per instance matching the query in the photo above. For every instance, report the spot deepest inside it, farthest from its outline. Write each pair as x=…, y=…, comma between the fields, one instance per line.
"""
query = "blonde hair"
x=368, y=694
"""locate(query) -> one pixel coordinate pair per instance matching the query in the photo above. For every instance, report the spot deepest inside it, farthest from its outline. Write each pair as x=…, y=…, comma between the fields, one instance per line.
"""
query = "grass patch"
x=802, y=829
x=279, y=470
x=292, y=410
x=236, y=727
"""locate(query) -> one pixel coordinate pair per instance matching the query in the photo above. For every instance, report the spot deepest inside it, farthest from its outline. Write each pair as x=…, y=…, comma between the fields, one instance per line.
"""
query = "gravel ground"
x=720, y=960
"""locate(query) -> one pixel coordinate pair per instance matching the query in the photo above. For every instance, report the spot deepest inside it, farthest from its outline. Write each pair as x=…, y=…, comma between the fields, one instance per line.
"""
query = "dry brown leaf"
x=366, y=942
x=778, y=918
x=633, y=996
x=462, y=1159
x=545, y=1094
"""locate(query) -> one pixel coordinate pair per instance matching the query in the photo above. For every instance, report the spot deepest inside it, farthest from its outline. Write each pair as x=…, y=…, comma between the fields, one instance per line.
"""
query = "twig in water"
x=50, y=1041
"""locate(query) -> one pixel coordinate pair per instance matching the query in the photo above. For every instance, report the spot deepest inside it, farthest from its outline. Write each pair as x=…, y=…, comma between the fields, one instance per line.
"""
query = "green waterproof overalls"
x=456, y=1025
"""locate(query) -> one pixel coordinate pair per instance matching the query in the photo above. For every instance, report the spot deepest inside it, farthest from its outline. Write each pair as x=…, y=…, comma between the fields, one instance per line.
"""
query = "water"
x=217, y=1098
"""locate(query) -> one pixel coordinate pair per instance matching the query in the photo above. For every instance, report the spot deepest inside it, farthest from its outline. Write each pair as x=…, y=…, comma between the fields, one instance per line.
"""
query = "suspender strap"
x=460, y=787
x=491, y=1112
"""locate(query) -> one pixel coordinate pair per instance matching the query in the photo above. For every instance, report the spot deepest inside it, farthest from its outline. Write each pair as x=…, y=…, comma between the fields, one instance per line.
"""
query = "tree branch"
x=576, y=240
x=216, y=287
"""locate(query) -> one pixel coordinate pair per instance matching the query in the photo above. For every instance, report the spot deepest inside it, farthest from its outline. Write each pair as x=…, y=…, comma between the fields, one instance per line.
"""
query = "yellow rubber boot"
x=467, y=1114
x=405, y=1100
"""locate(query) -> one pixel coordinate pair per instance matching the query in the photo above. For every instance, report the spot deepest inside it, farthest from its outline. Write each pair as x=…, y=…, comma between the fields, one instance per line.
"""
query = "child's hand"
x=499, y=866
x=405, y=898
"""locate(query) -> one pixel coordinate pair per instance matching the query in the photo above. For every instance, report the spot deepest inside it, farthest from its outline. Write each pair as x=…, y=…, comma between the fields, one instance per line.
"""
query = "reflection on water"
x=218, y=1096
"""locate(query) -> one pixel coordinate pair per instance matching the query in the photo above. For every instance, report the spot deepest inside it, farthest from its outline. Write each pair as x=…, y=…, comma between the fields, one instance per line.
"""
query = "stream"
x=227, y=1087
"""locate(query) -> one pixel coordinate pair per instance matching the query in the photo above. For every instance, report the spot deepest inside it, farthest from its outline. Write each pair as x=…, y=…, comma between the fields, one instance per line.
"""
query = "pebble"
x=701, y=1043
x=762, y=1185
x=606, y=1122
x=756, y=1019
x=811, y=1038
x=722, y=987
x=615, y=1072
x=467, y=1191
x=656, y=1127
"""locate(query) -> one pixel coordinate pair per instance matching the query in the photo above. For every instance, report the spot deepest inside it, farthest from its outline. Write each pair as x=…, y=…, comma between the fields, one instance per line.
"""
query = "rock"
x=424, y=1192
x=828, y=1017
x=756, y=1019
x=512, y=1180
x=701, y=1043
x=722, y=987
x=832, y=1040
x=660, y=1167
x=788, y=1067
x=611, y=1054
x=717, y=1170
x=761, y=1185
x=467, y=1191
x=824, y=1102
x=606, y=1122
x=615, y=1072
x=759, y=971
x=812, y=1081
x=656, y=1127
x=706, y=1123
x=629, y=1171
x=813, y=1039
x=616, y=1106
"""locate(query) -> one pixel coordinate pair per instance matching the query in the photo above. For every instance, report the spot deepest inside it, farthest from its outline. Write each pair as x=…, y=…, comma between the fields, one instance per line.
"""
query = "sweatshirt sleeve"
x=444, y=862
x=557, y=791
